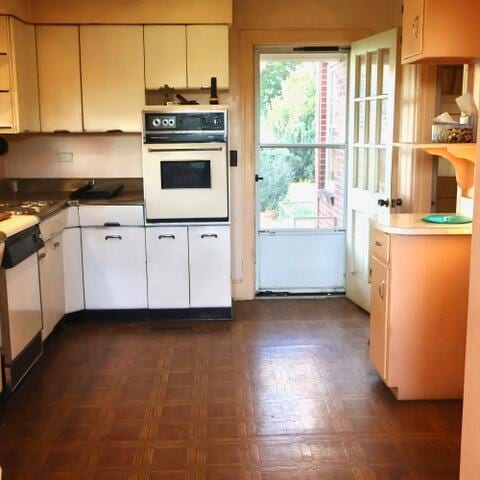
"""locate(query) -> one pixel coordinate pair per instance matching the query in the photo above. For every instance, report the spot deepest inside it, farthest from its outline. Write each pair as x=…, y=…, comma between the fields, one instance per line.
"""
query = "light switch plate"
x=64, y=157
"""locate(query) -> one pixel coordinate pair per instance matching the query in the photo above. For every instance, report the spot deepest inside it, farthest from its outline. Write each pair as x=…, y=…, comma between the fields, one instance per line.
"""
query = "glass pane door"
x=301, y=170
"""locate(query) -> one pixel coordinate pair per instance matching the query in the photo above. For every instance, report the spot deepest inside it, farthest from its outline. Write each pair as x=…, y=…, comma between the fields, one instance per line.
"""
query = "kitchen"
x=83, y=131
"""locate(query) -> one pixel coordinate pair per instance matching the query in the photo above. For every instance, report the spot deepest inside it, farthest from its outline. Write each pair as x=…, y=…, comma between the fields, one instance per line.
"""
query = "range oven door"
x=185, y=182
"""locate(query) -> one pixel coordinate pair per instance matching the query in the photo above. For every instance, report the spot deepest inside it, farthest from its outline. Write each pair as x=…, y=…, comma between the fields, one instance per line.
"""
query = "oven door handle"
x=166, y=150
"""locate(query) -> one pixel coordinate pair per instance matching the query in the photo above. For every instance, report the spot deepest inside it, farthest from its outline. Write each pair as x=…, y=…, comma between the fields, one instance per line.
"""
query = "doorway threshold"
x=285, y=294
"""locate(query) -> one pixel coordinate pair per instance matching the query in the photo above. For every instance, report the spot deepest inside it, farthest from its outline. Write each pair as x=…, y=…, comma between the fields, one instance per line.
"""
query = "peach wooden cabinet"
x=19, y=106
x=207, y=55
x=186, y=56
x=58, y=54
x=113, y=81
x=419, y=313
x=440, y=31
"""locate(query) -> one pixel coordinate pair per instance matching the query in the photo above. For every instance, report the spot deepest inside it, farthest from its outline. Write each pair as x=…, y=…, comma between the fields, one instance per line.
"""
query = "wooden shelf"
x=461, y=155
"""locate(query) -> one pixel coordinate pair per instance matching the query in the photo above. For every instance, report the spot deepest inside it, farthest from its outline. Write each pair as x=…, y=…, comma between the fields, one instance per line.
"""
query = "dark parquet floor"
x=285, y=392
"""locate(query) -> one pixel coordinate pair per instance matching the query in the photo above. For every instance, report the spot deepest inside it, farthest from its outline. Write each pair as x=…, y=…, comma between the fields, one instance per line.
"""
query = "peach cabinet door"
x=25, y=76
x=113, y=79
x=412, y=30
x=207, y=55
x=59, y=78
x=4, y=29
x=379, y=318
x=165, y=56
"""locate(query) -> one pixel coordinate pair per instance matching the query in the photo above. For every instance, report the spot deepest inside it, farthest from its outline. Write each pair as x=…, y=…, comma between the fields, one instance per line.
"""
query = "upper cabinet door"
x=207, y=55
x=165, y=56
x=113, y=80
x=25, y=76
x=59, y=78
x=412, y=31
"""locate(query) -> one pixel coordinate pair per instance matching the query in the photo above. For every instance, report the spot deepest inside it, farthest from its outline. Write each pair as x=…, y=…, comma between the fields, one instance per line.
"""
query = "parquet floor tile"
x=284, y=392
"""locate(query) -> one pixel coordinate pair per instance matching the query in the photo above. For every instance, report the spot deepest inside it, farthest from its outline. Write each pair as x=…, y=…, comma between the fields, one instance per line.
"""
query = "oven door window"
x=185, y=174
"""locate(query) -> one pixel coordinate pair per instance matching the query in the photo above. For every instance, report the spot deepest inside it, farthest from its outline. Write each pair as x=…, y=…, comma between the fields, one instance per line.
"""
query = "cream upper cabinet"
x=60, y=90
x=165, y=56
x=24, y=77
x=207, y=55
x=113, y=80
x=440, y=31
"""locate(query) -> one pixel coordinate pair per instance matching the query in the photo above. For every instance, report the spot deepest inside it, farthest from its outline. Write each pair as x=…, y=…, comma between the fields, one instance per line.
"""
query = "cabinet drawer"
x=111, y=215
x=54, y=225
x=381, y=245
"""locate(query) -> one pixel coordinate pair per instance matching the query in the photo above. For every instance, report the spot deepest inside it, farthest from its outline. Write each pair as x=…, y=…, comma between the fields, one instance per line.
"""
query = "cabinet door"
x=412, y=27
x=59, y=78
x=25, y=76
x=113, y=79
x=73, y=270
x=207, y=55
x=210, y=283
x=114, y=267
x=379, y=317
x=165, y=56
x=51, y=284
x=167, y=267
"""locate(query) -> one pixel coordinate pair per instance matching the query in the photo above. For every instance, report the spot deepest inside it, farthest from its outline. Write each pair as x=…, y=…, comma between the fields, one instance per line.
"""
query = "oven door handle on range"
x=196, y=149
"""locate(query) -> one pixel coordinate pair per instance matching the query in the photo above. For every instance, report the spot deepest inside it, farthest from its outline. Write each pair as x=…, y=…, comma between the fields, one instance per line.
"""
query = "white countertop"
x=412, y=224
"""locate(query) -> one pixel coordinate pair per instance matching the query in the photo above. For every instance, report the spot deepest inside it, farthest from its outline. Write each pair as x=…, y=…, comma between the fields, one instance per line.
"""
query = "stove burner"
x=25, y=208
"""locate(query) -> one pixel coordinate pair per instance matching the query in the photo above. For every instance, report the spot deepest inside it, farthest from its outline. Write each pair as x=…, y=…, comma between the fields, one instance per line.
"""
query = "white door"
x=210, y=279
x=373, y=64
x=73, y=270
x=301, y=160
x=114, y=267
x=167, y=267
x=50, y=261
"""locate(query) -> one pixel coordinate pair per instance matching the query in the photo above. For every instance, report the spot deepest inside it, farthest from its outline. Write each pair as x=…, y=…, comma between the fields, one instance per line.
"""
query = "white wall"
x=107, y=155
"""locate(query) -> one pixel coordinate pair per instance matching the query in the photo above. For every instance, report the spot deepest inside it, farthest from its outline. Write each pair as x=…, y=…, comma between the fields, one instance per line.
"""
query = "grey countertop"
x=62, y=200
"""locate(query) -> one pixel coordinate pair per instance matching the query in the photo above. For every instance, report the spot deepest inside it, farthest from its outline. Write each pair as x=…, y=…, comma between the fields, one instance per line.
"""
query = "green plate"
x=450, y=219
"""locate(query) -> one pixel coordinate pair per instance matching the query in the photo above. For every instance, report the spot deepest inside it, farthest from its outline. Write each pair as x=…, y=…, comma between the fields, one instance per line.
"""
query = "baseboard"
x=146, y=315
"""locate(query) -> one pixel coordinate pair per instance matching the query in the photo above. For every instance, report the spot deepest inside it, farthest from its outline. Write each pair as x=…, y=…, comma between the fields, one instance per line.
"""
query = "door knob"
x=258, y=178
x=383, y=202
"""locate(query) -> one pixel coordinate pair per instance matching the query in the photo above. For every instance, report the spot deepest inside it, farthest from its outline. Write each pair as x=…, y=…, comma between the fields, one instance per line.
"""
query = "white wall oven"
x=185, y=168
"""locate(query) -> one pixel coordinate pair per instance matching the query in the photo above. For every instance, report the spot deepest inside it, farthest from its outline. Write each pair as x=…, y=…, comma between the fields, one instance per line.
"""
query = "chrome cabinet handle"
x=378, y=244
x=111, y=224
x=113, y=237
x=381, y=289
x=41, y=256
x=56, y=244
x=209, y=235
x=166, y=236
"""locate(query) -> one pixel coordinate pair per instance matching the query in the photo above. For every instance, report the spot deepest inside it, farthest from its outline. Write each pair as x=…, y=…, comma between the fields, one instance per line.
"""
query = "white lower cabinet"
x=114, y=267
x=50, y=261
x=73, y=270
x=209, y=252
x=167, y=266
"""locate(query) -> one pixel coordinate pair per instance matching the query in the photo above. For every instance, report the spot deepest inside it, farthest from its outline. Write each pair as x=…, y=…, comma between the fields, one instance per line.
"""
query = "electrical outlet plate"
x=64, y=157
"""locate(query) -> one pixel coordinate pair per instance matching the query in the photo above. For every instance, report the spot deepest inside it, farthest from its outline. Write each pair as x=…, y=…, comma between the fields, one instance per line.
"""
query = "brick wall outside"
x=331, y=129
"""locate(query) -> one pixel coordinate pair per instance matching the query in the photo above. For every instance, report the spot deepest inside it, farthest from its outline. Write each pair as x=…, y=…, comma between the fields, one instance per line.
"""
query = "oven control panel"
x=183, y=126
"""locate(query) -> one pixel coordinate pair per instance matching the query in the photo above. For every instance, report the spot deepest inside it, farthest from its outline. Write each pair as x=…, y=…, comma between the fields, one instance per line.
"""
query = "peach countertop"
x=412, y=224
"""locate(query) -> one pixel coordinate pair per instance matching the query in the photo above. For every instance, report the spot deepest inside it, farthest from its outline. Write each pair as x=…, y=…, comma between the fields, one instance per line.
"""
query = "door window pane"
x=301, y=188
x=303, y=101
x=381, y=171
x=385, y=56
x=360, y=172
x=384, y=122
x=373, y=73
x=372, y=122
x=362, y=76
x=361, y=121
